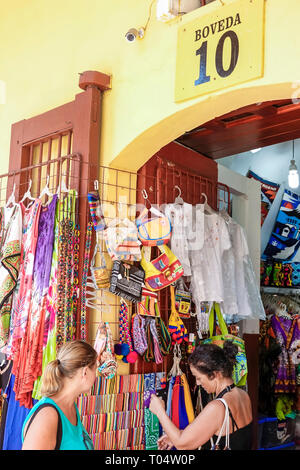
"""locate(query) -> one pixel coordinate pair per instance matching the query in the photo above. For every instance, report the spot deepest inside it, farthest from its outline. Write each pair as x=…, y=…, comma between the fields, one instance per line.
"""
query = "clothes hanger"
x=46, y=191
x=62, y=188
x=178, y=199
x=209, y=210
x=28, y=195
x=12, y=199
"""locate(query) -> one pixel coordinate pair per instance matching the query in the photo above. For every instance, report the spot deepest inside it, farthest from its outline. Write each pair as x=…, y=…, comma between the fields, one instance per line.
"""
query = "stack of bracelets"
x=86, y=260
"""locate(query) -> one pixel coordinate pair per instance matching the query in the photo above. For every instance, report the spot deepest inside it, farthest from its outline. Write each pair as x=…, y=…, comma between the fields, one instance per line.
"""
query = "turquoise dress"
x=73, y=437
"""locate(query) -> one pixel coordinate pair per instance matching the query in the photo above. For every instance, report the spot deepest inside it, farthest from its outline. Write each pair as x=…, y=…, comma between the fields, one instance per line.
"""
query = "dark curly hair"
x=210, y=358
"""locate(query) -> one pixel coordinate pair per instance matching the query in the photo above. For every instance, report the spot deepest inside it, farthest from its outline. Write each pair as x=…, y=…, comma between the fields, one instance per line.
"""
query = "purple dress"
x=44, y=249
x=287, y=332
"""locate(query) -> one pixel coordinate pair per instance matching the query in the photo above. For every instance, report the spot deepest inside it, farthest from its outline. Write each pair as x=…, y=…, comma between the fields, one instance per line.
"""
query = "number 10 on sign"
x=220, y=50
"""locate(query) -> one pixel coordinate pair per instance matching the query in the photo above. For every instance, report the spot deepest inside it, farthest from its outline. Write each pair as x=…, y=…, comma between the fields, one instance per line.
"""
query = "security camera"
x=133, y=34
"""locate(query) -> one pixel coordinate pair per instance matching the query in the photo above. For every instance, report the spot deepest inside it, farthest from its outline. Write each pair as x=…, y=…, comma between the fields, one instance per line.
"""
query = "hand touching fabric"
x=157, y=405
x=164, y=443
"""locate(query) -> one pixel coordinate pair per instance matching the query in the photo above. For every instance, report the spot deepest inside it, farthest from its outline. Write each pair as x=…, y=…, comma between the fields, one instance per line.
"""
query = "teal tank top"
x=73, y=437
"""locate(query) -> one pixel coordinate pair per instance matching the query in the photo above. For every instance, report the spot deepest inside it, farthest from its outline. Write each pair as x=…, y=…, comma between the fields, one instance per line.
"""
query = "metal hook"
x=177, y=187
x=144, y=193
x=204, y=195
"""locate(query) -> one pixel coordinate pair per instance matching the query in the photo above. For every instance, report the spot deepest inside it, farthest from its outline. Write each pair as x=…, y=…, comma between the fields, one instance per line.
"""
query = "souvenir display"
x=201, y=266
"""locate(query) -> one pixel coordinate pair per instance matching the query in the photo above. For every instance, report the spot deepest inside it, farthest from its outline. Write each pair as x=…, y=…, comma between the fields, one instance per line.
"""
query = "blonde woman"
x=54, y=422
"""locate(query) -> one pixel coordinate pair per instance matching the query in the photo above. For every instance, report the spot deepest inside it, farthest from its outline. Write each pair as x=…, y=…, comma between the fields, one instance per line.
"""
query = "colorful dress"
x=22, y=294
x=10, y=256
x=30, y=363
x=50, y=328
x=287, y=332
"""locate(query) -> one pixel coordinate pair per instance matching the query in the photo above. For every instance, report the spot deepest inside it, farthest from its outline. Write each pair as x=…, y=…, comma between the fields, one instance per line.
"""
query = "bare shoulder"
x=47, y=414
x=214, y=408
x=42, y=432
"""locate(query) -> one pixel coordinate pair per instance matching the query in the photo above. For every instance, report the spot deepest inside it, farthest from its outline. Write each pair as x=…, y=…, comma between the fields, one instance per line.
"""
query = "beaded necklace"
x=88, y=240
x=61, y=280
x=68, y=320
x=76, y=240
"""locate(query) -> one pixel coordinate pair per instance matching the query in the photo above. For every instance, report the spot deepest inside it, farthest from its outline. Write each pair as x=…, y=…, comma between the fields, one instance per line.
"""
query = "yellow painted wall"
x=45, y=45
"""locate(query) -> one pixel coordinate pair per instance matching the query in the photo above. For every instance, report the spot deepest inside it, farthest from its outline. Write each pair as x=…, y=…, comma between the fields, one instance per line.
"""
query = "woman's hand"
x=164, y=443
x=157, y=405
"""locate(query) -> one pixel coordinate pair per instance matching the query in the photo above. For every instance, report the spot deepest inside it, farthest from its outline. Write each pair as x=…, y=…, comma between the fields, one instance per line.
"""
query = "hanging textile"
x=179, y=403
x=242, y=296
x=151, y=420
x=31, y=352
x=287, y=332
x=22, y=294
x=10, y=249
x=64, y=208
x=284, y=240
x=268, y=194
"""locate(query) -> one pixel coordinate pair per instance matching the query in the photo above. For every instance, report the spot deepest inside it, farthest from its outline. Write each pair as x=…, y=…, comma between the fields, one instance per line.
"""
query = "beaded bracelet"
x=86, y=260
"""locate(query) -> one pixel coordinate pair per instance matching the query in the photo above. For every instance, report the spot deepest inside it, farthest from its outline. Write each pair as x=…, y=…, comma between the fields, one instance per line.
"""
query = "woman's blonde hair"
x=71, y=357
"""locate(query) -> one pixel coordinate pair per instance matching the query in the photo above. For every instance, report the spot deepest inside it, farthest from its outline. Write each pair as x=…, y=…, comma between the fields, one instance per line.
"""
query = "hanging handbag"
x=155, y=231
x=183, y=299
x=163, y=270
x=96, y=211
x=127, y=281
x=176, y=326
x=149, y=303
x=240, y=369
x=122, y=241
x=99, y=274
x=138, y=334
x=104, y=347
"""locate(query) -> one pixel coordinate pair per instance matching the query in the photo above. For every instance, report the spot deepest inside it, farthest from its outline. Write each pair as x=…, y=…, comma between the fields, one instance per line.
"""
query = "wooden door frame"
x=81, y=116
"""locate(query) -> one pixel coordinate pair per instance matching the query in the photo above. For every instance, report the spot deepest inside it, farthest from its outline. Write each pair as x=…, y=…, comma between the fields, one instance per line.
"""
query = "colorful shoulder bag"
x=96, y=211
x=104, y=347
x=99, y=274
x=155, y=231
x=183, y=299
x=127, y=281
x=122, y=241
x=162, y=271
x=240, y=369
x=177, y=329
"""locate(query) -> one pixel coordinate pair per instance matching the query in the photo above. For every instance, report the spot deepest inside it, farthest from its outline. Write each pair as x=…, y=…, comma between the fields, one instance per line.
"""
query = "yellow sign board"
x=221, y=49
